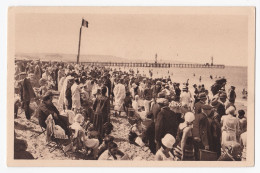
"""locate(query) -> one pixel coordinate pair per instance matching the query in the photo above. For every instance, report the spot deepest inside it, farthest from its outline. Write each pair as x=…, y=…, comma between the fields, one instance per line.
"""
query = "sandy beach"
x=37, y=145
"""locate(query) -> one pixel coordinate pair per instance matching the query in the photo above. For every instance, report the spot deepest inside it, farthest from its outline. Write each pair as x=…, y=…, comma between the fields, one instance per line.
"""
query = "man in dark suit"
x=166, y=122
x=26, y=93
x=198, y=105
x=200, y=130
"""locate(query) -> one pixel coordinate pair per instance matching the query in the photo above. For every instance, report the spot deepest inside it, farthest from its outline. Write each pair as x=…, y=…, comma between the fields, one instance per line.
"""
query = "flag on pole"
x=84, y=23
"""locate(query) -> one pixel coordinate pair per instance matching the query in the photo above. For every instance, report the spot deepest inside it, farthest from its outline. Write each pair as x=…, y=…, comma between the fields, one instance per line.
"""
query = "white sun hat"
x=168, y=140
x=189, y=117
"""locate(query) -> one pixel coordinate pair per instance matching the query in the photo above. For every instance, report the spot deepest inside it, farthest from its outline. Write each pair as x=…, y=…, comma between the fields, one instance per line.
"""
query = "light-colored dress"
x=75, y=91
x=186, y=98
x=62, y=99
x=37, y=74
x=120, y=94
x=230, y=128
x=61, y=81
x=135, y=105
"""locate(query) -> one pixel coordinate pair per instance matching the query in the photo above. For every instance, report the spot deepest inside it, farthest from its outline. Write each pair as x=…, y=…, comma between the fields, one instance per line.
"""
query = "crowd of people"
x=176, y=121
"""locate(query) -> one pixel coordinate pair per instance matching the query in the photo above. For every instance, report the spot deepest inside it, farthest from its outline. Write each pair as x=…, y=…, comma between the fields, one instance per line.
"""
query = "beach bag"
x=206, y=155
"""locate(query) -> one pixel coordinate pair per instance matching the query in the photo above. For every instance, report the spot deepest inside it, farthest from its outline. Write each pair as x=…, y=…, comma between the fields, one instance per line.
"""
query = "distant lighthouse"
x=212, y=61
x=156, y=58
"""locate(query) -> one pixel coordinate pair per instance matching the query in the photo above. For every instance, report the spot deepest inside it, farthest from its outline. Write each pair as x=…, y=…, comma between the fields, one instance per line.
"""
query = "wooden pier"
x=146, y=64
x=153, y=65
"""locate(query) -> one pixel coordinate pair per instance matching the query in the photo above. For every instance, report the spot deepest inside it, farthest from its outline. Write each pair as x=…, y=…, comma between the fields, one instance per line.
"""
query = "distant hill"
x=68, y=57
x=86, y=58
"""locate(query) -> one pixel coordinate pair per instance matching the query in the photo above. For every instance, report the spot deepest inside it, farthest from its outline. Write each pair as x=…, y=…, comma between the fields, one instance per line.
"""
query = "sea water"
x=236, y=76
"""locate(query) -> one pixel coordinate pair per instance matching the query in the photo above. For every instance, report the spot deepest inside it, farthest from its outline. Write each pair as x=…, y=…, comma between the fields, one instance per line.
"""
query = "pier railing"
x=146, y=64
x=153, y=65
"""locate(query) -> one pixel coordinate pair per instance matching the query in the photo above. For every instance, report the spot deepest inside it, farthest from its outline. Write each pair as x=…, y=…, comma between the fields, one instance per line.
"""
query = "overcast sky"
x=188, y=38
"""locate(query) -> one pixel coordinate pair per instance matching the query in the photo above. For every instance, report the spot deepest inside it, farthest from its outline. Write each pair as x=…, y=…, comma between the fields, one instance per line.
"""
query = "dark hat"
x=202, y=96
x=233, y=87
x=158, y=83
x=47, y=95
x=214, y=102
x=161, y=95
x=162, y=101
x=185, y=88
x=241, y=112
x=223, y=95
x=206, y=107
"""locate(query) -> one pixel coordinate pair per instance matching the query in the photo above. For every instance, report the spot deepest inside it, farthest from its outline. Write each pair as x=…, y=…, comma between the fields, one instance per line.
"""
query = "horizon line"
x=121, y=58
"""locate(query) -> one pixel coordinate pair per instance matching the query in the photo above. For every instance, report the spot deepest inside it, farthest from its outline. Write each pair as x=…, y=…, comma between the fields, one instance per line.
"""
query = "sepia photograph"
x=141, y=86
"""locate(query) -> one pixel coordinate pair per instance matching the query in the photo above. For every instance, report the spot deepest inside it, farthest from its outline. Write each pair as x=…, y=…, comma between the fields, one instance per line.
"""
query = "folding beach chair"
x=55, y=135
x=42, y=132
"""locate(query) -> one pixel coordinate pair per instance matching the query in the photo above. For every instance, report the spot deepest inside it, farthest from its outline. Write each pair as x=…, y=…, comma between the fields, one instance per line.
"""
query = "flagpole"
x=79, y=44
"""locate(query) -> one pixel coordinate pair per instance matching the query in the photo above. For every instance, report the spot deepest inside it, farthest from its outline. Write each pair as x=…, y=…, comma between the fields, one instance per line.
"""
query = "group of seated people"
x=79, y=132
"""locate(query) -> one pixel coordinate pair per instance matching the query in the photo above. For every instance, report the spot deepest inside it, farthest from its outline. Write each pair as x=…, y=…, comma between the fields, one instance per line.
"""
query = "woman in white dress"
x=75, y=91
x=120, y=94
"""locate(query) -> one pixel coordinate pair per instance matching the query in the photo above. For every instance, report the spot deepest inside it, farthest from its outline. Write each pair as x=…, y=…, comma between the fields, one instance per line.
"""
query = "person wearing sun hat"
x=164, y=153
x=148, y=95
x=156, y=89
x=119, y=95
x=177, y=92
x=156, y=107
x=198, y=105
x=75, y=93
x=186, y=97
x=37, y=72
x=232, y=94
x=47, y=108
x=66, y=86
x=184, y=137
